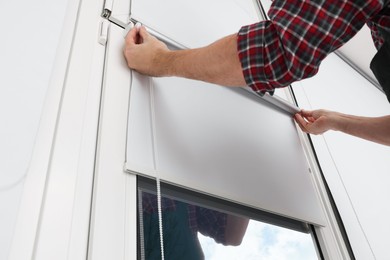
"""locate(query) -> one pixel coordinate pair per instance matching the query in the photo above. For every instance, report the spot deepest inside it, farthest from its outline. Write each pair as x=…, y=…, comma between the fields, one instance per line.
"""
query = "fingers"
x=310, y=119
x=132, y=36
x=141, y=50
x=312, y=115
x=143, y=33
x=301, y=122
x=137, y=35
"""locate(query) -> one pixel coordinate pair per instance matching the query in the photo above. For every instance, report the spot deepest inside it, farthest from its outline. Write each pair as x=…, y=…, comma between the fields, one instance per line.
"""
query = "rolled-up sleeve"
x=299, y=35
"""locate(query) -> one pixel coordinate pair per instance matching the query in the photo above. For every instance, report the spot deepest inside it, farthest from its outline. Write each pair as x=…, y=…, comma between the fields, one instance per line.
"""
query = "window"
x=196, y=226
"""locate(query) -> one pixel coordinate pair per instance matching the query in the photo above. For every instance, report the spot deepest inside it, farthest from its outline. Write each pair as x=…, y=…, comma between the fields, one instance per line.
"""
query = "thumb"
x=301, y=122
x=306, y=113
x=144, y=34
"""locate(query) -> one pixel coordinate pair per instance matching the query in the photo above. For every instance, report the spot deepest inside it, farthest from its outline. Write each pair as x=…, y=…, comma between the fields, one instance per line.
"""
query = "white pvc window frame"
x=104, y=228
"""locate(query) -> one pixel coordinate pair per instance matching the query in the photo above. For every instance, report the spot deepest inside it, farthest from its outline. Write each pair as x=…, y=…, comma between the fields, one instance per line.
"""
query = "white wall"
x=30, y=32
x=361, y=43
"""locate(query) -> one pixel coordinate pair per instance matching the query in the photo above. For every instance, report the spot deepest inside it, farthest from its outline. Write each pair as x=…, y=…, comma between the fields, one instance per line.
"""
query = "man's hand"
x=376, y=129
x=144, y=53
x=316, y=122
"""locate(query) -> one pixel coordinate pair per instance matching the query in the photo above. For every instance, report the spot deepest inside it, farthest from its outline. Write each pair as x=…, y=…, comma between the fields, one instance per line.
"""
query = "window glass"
x=194, y=231
x=263, y=241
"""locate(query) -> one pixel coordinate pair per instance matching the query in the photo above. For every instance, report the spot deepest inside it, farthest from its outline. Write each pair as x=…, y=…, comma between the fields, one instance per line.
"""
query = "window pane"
x=263, y=241
x=193, y=231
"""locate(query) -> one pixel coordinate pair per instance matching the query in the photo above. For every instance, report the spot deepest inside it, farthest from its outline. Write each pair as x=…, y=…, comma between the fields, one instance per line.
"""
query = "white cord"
x=141, y=226
x=155, y=163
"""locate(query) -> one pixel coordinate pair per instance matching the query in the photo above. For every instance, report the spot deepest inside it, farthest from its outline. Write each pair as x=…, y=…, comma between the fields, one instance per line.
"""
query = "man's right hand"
x=144, y=52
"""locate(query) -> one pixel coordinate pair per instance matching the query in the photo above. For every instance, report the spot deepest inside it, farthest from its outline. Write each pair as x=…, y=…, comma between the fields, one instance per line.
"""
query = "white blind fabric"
x=213, y=140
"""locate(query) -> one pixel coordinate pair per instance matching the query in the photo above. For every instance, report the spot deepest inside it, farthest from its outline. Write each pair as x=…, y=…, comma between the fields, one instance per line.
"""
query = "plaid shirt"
x=300, y=34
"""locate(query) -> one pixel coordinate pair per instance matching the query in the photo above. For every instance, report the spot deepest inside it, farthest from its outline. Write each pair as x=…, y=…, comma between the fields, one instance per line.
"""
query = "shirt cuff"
x=250, y=47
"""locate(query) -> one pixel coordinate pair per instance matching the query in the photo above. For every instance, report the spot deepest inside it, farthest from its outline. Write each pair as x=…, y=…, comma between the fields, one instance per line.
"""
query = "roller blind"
x=209, y=138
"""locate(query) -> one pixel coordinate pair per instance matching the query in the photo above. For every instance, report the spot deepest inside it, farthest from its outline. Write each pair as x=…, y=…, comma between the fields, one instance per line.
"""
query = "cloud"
x=265, y=242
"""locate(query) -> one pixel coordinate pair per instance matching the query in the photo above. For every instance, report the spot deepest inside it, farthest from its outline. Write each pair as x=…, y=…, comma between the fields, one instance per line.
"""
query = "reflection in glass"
x=193, y=232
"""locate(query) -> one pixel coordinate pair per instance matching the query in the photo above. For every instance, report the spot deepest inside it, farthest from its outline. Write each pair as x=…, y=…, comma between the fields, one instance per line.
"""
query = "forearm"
x=235, y=230
x=217, y=63
x=376, y=129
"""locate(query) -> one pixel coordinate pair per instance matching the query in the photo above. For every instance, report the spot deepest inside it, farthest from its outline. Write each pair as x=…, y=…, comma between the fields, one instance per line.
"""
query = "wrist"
x=337, y=122
x=165, y=61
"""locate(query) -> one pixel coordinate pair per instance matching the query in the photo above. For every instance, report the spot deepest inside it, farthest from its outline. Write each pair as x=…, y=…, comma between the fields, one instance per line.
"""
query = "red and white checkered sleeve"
x=299, y=35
